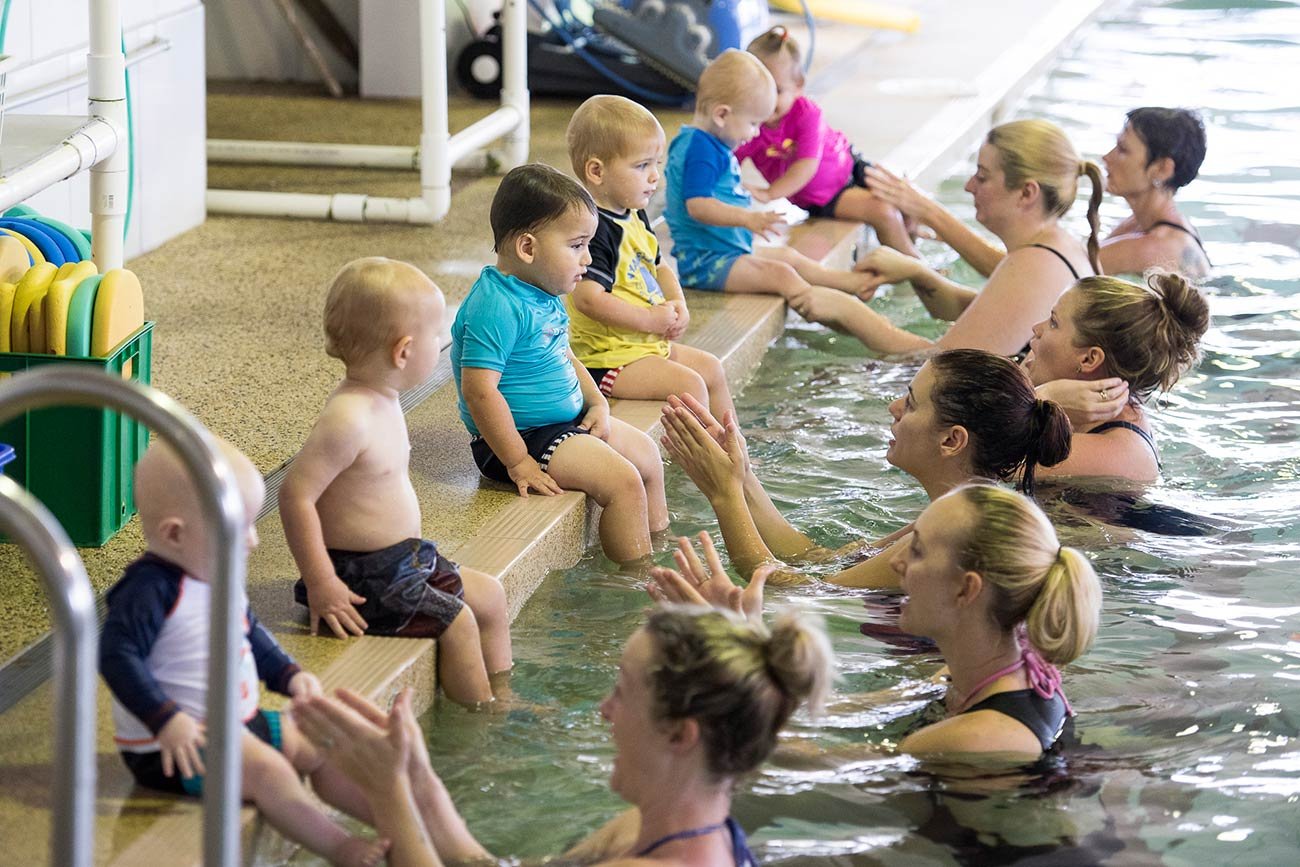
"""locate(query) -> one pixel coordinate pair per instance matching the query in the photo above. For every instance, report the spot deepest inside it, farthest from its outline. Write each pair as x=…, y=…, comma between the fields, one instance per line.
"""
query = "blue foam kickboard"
x=39, y=237
x=62, y=241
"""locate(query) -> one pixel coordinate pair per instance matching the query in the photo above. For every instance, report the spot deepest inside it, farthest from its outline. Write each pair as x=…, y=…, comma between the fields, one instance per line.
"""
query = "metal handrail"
x=25, y=519
x=223, y=508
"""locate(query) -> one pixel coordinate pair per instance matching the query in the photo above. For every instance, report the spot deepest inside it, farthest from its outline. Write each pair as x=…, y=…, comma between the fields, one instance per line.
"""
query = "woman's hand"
x=715, y=470
x=887, y=265
x=899, y=192
x=717, y=430
x=712, y=586
x=1087, y=402
x=372, y=748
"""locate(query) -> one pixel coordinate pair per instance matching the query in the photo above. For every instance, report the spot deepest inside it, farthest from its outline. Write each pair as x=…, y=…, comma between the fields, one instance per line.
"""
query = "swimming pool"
x=1188, y=702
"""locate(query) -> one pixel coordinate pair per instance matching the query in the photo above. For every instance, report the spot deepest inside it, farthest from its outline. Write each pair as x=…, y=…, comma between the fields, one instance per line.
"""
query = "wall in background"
x=49, y=37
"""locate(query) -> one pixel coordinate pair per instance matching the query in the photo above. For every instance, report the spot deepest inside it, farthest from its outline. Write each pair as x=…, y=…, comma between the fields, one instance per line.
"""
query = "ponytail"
x=1047, y=441
x=1093, y=171
x=1052, y=590
x=1063, y=620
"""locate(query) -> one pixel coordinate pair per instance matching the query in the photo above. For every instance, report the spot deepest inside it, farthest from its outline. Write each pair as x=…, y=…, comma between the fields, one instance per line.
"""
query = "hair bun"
x=799, y=657
x=1052, y=432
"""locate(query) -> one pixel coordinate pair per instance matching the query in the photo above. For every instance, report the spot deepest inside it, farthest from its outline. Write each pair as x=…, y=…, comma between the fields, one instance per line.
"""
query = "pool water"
x=1188, y=703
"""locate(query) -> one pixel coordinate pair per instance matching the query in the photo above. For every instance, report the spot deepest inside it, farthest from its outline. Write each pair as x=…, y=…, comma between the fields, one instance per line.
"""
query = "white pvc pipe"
x=313, y=154
x=483, y=131
x=435, y=145
x=514, y=78
x=109, y=178
x=438, y=149
x=78, y=152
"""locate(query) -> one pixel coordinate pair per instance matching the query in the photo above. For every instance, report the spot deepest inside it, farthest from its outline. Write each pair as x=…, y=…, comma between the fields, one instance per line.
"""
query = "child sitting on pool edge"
x=806, y=161
x=535, y=416
x=625, y=313
x=350, y=514
x=708, y=206
x=153, y=653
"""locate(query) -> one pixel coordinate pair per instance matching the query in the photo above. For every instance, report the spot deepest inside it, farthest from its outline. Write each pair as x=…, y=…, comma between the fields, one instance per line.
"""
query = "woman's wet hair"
x=1150, y=333
x=739, y=681
x=1036, y=150
x=531, y=196
x=1171, y=132
x=1011, y=430
x=1052, y=589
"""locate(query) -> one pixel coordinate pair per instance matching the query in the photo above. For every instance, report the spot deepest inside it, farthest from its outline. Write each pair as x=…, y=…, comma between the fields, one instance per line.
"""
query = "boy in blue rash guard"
x=708, y=206
x=535, y=417
x=153, y=653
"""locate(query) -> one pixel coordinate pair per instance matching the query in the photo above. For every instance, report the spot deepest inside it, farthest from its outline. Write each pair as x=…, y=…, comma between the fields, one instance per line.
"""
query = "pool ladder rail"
x=72, y=605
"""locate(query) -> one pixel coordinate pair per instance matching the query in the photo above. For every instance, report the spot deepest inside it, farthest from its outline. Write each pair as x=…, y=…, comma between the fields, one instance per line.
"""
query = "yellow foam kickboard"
x=37, y=256
x=14, y=260
x=6, y=312
x=878, y=15
x=31, y=289
x=55, y=307
x=119, y=311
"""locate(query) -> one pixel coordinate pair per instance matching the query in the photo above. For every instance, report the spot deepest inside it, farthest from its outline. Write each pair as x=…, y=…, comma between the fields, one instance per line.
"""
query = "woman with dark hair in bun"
x=1105, y=330
x=967, y=415
x=1158, y=152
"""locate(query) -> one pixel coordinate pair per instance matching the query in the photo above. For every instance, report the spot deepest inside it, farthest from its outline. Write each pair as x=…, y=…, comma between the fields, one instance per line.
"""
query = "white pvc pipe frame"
x=434, y=157
x=101, y=145
x=71, y=836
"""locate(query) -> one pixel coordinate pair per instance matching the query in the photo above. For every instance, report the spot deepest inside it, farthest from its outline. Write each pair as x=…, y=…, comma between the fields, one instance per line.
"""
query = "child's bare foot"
x=360, y=852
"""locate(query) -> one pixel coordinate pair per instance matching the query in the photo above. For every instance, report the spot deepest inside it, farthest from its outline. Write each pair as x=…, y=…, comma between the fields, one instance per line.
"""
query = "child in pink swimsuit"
x=806, y=161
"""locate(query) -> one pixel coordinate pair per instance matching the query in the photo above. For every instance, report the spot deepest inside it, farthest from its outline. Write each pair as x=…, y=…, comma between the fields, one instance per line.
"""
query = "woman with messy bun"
x=989, y=582
x=700, y=698
x=967, y=415
x=1027, y=178
x=1127, y=341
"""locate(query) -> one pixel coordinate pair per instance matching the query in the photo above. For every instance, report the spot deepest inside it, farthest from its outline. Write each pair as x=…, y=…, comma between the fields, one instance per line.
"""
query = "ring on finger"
x=1103, y=394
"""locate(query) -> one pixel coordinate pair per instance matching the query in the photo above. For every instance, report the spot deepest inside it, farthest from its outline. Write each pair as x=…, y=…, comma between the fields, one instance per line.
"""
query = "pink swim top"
x=802, y=133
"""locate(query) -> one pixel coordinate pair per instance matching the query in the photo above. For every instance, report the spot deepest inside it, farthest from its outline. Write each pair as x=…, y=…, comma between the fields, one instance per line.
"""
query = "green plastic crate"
x=78, y=461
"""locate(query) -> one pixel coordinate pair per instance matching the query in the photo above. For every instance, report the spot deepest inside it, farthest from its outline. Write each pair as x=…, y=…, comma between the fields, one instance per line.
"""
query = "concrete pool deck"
x=238, y=305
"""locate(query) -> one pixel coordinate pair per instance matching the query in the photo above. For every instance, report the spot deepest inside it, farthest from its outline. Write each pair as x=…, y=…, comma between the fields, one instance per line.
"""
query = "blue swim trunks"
x=705, y=269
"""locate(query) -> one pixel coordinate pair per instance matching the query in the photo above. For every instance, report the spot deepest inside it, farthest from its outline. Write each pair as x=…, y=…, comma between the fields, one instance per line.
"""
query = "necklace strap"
x=681, y=835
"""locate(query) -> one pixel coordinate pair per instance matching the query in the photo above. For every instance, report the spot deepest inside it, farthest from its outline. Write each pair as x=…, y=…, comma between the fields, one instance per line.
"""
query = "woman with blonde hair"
x=1026, y=179
x=989, y=582
x=1105, y=330
x=700, y=698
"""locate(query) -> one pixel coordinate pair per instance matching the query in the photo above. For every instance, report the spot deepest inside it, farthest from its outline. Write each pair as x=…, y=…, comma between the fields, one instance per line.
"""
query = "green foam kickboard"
x=81, y=315
x=79, y=241
x=21, y=211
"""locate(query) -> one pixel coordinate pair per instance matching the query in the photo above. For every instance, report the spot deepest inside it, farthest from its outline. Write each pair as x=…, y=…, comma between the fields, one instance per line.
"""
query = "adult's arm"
x=951, y=229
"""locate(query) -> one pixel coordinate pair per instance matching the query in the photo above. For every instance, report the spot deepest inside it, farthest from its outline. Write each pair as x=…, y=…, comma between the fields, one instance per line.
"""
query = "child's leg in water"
x=461, y=667
x=645, y=456
x=852, y=282
x=272, y=784
x=487, y=598
x=593, y=466
x=860, y=205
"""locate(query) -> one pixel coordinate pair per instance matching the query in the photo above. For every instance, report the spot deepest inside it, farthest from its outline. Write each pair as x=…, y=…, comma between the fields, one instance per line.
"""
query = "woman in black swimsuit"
x=700, y=698
x=1158, y=152
x=1026, y=179
x=1105, y=328
x=989, y=582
